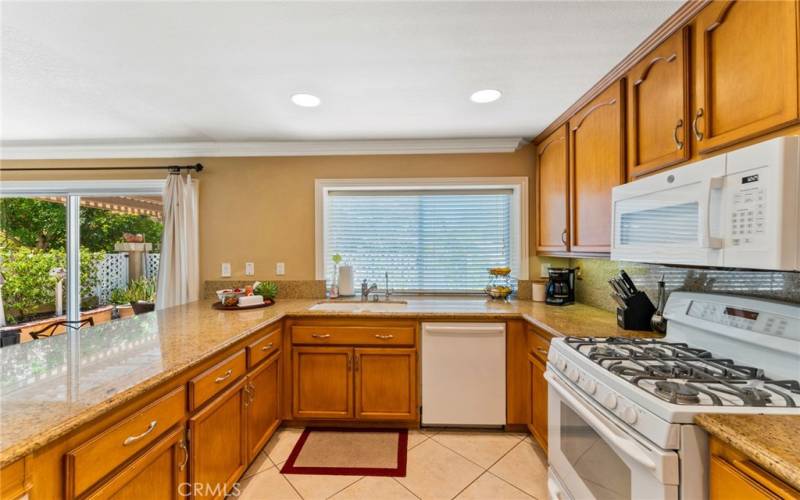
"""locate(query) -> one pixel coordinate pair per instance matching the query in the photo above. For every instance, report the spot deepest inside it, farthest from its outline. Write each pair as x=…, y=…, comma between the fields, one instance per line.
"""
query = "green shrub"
x=119, y=296
x=142, y=289
x=28, y=284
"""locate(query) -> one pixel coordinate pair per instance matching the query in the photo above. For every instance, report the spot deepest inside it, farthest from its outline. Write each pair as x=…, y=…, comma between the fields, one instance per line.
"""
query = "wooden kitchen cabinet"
x=597, y=164
x=538, y=347
x=157, y=474
x=746, y=63
x=263, y=399
x=218, y=454
x=733, y=476
x=552, y=188
x=385, y=384
x=322, y=380
x=658, y=107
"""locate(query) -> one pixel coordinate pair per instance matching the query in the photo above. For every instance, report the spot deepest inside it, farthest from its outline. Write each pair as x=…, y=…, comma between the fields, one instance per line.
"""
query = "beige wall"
x=261, y=210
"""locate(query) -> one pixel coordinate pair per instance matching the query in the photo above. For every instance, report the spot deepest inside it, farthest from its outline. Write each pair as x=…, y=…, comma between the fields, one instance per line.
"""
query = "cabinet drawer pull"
x=320, y=335
x=133, y=439
x=185, y=454
x=222, y=378
x=542, y=351
x=697, y=133
x=678, y=142
x=267, y=347
x=384, y=337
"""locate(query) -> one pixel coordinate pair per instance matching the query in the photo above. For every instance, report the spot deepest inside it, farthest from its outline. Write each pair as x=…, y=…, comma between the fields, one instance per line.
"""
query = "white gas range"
x=621, y=409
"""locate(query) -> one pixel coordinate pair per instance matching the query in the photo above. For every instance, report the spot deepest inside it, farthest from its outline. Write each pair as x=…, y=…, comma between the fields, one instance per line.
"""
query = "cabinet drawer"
x=353, y=335
x=538, y=343
x=263, y=348
x=95, y=458
x=204, y=386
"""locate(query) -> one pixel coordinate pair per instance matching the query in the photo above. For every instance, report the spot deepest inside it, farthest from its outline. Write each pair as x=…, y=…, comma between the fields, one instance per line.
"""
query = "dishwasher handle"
x=462, y=329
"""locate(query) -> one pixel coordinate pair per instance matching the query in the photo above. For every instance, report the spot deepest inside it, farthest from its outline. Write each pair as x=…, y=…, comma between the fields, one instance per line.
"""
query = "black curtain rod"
x=172, y=168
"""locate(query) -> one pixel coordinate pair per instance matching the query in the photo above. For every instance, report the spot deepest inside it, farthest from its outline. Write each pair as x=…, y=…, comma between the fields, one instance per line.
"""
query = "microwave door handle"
x=623, y=443
x=708, y=241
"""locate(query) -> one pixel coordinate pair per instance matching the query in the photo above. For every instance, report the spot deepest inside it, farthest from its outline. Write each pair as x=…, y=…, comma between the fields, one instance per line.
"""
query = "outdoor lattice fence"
x=112, y=273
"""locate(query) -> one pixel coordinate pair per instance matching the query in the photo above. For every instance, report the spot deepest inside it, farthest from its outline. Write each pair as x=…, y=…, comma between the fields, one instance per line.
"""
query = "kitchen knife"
x=628, y=281
x=617, y=287
x=621, y=303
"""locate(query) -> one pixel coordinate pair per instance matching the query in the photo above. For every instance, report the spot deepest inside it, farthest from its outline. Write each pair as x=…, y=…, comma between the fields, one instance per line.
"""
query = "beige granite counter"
x=769, y=440
x=51, y=387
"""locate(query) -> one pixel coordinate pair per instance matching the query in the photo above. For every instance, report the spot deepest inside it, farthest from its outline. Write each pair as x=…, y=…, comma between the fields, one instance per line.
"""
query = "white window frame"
x=519, y=204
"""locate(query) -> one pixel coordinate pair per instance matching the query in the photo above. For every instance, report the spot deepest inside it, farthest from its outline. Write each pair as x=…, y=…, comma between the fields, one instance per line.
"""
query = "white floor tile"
x=482, y=448
x=525, y=468
x=435, y=472
x=375, y=488
x=490, y=487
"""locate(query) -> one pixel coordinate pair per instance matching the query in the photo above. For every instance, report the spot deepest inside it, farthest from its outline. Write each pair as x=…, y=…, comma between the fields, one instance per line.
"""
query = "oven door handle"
x=623, y=443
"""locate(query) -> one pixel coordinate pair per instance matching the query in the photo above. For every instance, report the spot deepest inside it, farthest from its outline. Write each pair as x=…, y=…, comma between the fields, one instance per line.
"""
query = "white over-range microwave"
x=738, y=209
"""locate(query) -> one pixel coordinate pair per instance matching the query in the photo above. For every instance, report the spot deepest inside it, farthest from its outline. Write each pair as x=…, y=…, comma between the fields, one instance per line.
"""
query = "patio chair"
x=50, y=329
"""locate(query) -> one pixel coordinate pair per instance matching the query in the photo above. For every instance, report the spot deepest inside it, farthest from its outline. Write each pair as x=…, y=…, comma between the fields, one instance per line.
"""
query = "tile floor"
x=442, y=464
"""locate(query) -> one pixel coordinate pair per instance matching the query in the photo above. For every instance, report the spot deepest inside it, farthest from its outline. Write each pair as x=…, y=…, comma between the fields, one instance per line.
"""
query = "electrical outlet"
x=226, y=270
x=249, y=269
x=280, y=268
x=543, y=271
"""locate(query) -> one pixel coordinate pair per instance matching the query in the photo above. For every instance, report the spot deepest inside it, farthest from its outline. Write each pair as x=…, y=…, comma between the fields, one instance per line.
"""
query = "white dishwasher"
x=464, y=374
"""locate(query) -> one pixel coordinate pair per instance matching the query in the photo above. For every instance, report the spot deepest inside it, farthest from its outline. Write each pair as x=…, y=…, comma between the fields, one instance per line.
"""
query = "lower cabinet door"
x=538, y=425
x=726, y=483
x=386, y=384
x=218, y=454
x=262, y=405
x=159, y=473
x=322, y=381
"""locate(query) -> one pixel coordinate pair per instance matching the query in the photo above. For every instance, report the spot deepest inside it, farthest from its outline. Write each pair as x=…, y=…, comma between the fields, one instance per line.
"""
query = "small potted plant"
x=122, y=303
x=142, y=295
x=266, y=289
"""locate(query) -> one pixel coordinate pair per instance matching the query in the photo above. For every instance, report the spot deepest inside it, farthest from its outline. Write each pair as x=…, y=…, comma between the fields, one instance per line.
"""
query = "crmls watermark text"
x=208, y=489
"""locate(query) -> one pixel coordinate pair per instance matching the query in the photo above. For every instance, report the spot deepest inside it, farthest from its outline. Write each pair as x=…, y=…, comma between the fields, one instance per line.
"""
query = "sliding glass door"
x=76, y=255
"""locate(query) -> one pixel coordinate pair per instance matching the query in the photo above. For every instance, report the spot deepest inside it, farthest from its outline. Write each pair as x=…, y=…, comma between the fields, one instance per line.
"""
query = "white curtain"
x=178, y=268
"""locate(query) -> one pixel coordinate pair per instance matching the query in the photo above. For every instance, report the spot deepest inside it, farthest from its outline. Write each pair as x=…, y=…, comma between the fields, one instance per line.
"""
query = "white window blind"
x=428, y=241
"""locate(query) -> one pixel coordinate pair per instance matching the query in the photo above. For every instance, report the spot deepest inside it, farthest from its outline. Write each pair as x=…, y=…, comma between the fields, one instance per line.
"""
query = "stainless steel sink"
x=353, y=306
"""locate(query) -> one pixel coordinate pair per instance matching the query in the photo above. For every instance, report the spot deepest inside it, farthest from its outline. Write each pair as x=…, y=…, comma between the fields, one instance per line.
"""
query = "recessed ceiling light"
x=485, y=95
x=306, y=100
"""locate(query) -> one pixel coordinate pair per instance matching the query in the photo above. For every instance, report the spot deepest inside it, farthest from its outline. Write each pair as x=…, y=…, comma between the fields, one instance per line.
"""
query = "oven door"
x=593, y=457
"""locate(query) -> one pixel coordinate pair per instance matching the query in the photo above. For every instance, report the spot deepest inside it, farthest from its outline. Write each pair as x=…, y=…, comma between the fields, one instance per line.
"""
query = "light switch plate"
x=543, y=271
x=226, y=270
x=280, y=268
x=249, y=268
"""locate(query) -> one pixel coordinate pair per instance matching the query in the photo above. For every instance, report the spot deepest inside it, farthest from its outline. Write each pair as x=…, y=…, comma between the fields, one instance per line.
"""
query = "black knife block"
x=638, y=314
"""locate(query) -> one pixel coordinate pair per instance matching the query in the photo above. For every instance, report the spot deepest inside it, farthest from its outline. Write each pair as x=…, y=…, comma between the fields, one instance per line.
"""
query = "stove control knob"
x=573, y=374
x=629, y=415
x=561, y=364
x=589, y=386
x=610, y=401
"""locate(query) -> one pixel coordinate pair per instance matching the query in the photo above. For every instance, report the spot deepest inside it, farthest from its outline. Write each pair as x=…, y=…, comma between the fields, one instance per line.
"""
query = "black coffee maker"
x=561, y=287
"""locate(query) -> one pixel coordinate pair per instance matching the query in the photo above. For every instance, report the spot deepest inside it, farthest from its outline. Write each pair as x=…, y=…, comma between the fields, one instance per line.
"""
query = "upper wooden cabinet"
x=597, y=164
x=552, y=189
x=746, y=81
x=658, y=107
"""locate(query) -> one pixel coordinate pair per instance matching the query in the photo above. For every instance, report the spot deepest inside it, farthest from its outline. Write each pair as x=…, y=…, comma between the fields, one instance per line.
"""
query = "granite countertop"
x=50, y=387
x=769, y=440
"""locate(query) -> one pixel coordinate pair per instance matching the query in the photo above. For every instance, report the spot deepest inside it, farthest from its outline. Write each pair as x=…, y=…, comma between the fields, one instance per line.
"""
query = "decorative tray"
x=218, y=305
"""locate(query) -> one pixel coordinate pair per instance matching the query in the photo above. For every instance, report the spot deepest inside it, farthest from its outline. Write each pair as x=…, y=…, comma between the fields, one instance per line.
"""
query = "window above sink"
x=431, y=235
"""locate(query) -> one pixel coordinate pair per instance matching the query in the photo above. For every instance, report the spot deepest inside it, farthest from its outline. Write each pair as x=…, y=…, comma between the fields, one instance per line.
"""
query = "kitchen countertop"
x=49, y=388
x=769, y=440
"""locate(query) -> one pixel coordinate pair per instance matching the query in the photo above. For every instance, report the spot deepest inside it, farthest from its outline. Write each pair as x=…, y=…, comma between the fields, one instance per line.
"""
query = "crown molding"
x=24, y=150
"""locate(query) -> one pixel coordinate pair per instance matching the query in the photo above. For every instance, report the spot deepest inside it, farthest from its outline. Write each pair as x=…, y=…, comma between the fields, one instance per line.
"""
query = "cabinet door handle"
x=384, y=337
x=320, y=335
x=247, y=399
x=183, y=447
x=678, y=142
x=356, y=363
x=267, y=347
x=133, y=439
x=222, y=378
x=564, y=236
x=349, y=362
x=252, y=392
x=697, y=133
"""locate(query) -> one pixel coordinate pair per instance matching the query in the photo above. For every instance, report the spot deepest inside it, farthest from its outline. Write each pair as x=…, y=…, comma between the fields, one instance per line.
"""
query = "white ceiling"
x=167, y=72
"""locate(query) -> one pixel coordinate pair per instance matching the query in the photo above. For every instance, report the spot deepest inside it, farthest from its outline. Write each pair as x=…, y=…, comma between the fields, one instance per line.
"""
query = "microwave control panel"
x=747, y=224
